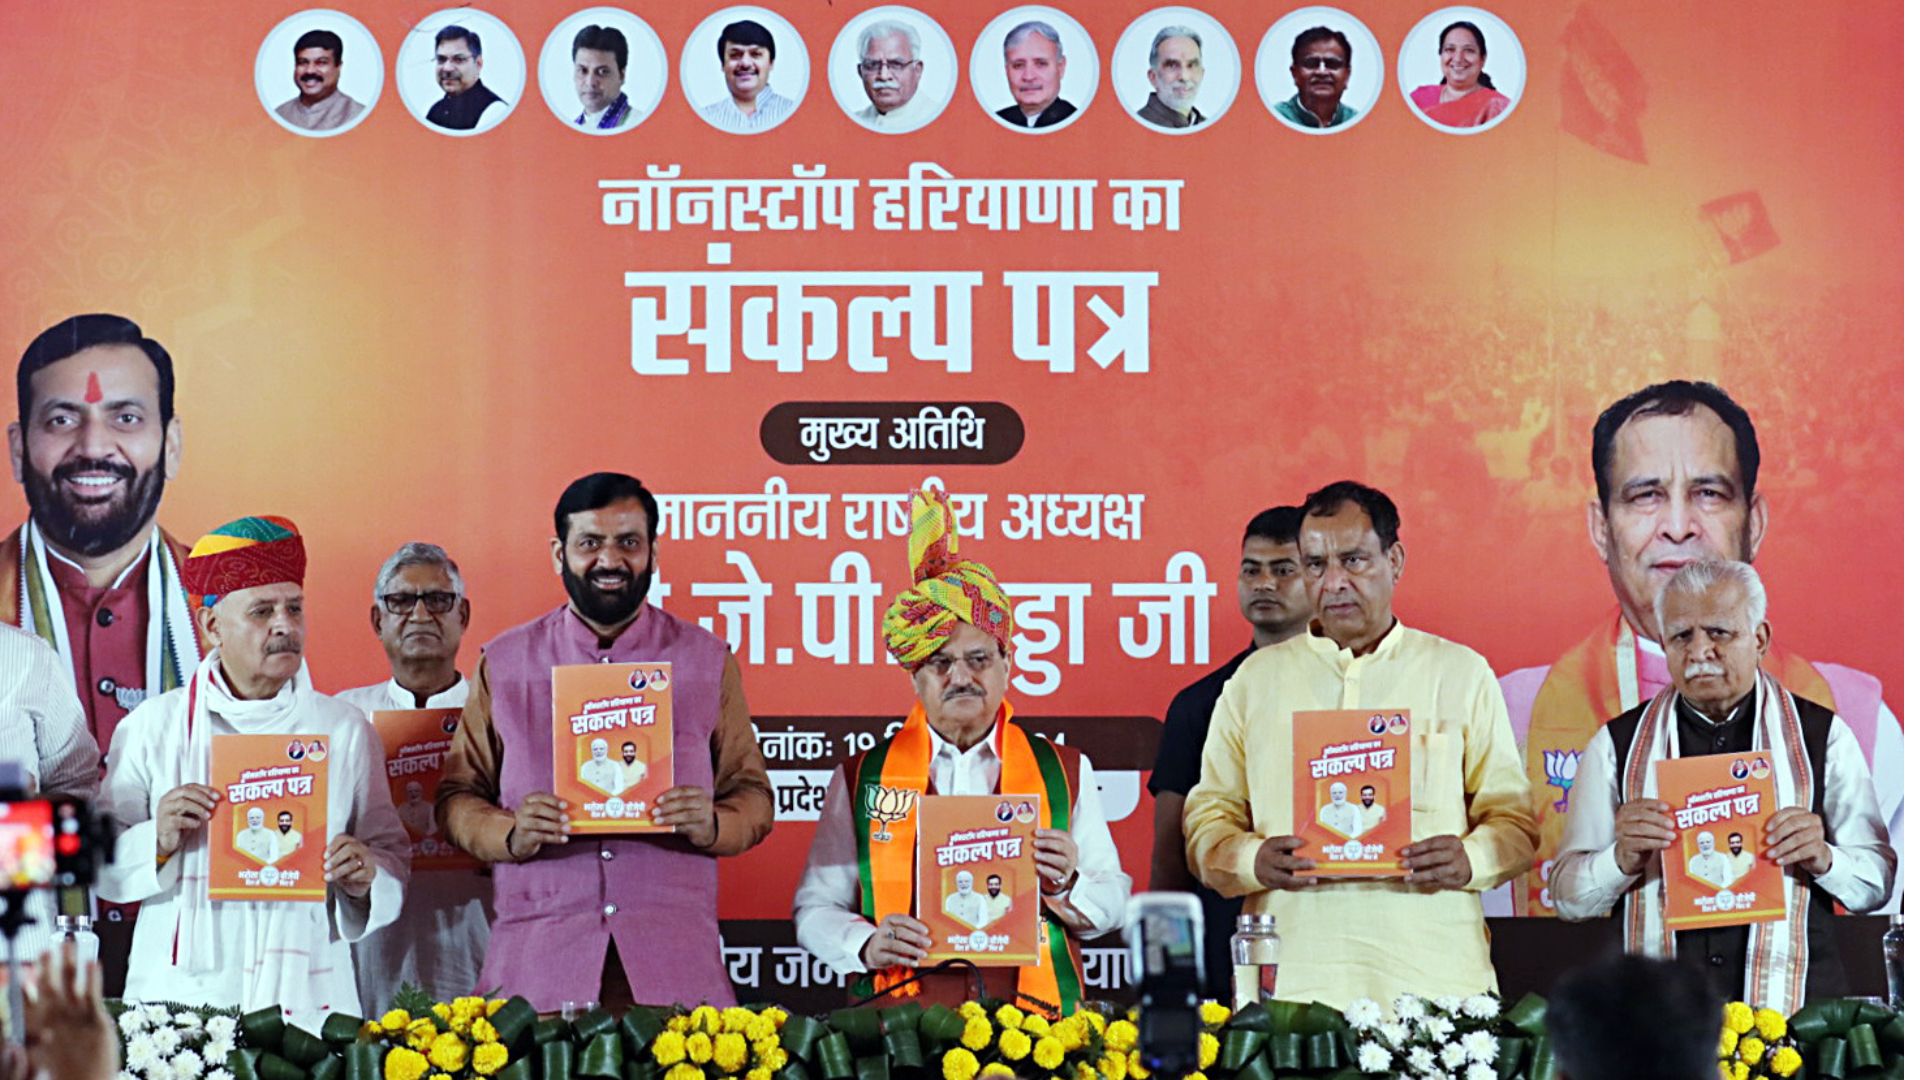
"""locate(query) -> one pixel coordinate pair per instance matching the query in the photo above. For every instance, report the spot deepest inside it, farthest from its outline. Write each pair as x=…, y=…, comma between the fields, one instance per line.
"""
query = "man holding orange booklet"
x=1712, y=616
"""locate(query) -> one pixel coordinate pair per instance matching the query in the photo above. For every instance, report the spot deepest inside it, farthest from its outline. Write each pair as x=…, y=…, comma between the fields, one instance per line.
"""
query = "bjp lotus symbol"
x=1562, y=765
x=888, y=805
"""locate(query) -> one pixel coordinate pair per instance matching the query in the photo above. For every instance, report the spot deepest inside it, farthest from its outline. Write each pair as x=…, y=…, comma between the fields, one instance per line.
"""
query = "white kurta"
x=440, y=938
x=248, y=954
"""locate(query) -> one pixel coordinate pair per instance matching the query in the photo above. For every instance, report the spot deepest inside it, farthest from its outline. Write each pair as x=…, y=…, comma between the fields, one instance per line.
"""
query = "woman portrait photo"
x=1478, y=84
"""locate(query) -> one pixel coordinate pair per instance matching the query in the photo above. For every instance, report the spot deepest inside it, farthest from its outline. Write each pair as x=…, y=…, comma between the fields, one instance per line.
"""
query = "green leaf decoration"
x=262, y=1028
x=860, y=1026
x=521, y=1069
x=514, y=1022
x=274, y=1067
x=1255, y=1069
x=240, y=1062
x=556, y=1060
x=603, y=1056
x=1237, y=1046
x=873, y=1067
x=593, y=1025
x=832, y=1056
x=302, y=1047
x=642, y=1025
x=939, y=1024
x=341, y=1029
x=1529, y=1014
x=417, y=1002
x=363, y=1061
x=549, y=1030
x=800, y=1035
x=327, y=1068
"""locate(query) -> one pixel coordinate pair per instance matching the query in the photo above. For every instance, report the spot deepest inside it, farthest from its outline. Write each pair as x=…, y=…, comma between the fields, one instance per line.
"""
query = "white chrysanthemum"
x=219, y=1074
x=1408, y=1007
x=156, y=1014
x=141, y=1052
x=166, y=1041
x=1393, y=1032
x=1447, y=1004
x=1363, y=1013
x=188, y=1066
x=1374, y=1058
x=186, y=1018
x=1421, y=1059
x=1477, y=1071
x=218, y=1049
x=132, y=1021
x=1438, y=1028
x=1482, y=1006
x=222, y=1026
x=1453, y=1055
x=1480, y=1046
x=125, y=1075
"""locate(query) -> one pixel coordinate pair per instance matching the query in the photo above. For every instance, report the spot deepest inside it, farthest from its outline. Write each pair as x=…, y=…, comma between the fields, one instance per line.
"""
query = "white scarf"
x=208, y=693
x=1777, y=955
x=173, y=646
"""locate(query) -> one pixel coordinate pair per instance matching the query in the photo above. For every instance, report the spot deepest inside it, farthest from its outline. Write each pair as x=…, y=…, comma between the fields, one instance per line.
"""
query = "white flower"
x=1421, y=1059
x=188, y=1066
x=1363, y=1013
x=219, y=1074
x=1480, y=1046
x=1438, y=1028
x=1482, y=1006
x=1477, y=1071
x=141, y=1052
x=125, y=1075
x=132, y=1021
x=156, y=1014
x=1393, y=1032
x=187, y=1021
x=1453, y=1055
x=166, y=1041
x=1447, y=1004
x=218, y=1049
x=222, y=1026
x=1408, y=1007
x=1374, y=1058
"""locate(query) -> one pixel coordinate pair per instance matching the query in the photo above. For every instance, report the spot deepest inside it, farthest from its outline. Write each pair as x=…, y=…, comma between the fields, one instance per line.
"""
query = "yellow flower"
x=396, y=1021
x=1728, y=1040
x=1209, y=1049
x=759, y=1028
x=1113, y=1065
x=669, y=1048
x=978, y=1033
x=700, y=1047
x=997, y=1071
x=440, y=1076
x=1213, y=1014
x=972, y=1009
x=1008, y=1016
x=461, y=1025
x=730, y=1051
x=443, y=1011
x=1035, y=1025
x=1122, y=1035
x=371, y=1029
x=420, y=1035
x=1770, y=1024
x=1015, y=1044
x=489, y=1058
x=1196, y=1076
x=683, y=1071
x=1049, y=1052
x=678, y=1025
x=766, y=1046
x=496, y=1005
x=1094, y=1020
x=705, y=1019
x=402, y=1063
x=759, y=1074
x=1726, y=1071
x=1785, y=1061
x=776, y=1014
x=1084, y=1071
x=1739, y=1017
x=959, y=1064
x=1137, y=1070
x=469, y=1007
x=1071, y=1032
x=484, y=1031
x=1741, y=1071
x=449, y=1052
x=774, y=1059
x=735, y=1019
x=1752, y=1050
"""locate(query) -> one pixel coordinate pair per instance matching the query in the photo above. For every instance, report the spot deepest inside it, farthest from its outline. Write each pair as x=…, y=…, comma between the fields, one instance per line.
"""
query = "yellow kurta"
x=1344, y=940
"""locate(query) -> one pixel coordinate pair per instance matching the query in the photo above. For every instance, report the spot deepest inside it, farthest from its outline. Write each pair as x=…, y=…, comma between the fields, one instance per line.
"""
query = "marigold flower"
x=759, y=1028
x=402, y=1063
x=1213, y=1014
x=1785, y=1061
x=449, y=1052
x=1739, y=1017
x=705, y=1019
x=730, y=1051
x=997, y=1071
x=1035, y=1025
x=735, y=1019
x=959, y=1064
x=684, y=1071
x=1008, y=1016
x=774, y=1059
x=443, y=1011
x=669, y=1048
x=483, y=1030
x=1015, y=1044
x=1122, y=1035
x=776, y=1014
x=1049, y=1052
x=1113, y=1065
x=396, y=1021
x=1728, y=1041
x=678, y=1025
x=700, y=1047
x=1770, y=1024
x=496, y=1005
x=489, y=1058
x=1071, y=1033
x=1209, y=1049
x=760, y=1074
x=420, y=1035
x=978, y=1033
x=971, y=1009
x=1752, y=1050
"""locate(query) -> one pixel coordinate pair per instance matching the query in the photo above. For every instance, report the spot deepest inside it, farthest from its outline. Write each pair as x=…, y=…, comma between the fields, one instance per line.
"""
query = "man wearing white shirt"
x=890, y=68
x=599, y=78
x=853, y=909
x=963, y=903
x=256, y=839
x=1338, y=814
x=1710, y=866
x=746, y=63
x=420, y=612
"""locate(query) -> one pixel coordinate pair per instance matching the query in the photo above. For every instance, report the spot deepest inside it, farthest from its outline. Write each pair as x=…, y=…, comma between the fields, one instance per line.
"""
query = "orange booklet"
x=269, y=832
x=1353, y=793
x=417, y=741
x=1715, y=874
x=612, y=744
x=978, y=891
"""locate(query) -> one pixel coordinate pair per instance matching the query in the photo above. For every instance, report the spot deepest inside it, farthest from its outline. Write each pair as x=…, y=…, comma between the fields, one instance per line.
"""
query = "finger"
x=1287, y=843
x=544, y=799
x=1800, y=851
x=546, y=816
x=1427, y=860
x=913, y=939
x=1652, y=833
x=541, y=833
x=1294, y=864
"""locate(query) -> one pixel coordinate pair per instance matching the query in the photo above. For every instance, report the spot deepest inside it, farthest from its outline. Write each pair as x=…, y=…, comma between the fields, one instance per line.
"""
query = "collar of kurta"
x=1342, y=656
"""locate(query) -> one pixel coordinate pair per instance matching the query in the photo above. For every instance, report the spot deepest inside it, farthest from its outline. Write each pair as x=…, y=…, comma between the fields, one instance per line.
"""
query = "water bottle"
x=1256, y=959
x=79, y=930
x=1894, y=946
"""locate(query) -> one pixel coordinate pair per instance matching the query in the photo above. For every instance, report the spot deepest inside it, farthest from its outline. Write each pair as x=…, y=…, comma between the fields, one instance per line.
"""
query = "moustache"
x=1704, y=667
x=885, y=84
x=67, y=470
x=283, y=645
x=963, y=691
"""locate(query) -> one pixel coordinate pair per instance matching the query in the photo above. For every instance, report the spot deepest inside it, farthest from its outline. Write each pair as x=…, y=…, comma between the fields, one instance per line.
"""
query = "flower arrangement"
x=174, y=1042
x=1439, y=1037
x=453, y=1040
x=1754, y=1044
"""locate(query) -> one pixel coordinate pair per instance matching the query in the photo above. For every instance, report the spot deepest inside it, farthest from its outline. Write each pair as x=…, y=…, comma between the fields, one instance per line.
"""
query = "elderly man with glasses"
x=890, y=68
x=420, y=611
x=951, y=632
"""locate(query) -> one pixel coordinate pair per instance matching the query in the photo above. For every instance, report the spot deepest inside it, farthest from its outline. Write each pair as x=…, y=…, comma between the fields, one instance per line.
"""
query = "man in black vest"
x=1712, y=623
x=456, y=63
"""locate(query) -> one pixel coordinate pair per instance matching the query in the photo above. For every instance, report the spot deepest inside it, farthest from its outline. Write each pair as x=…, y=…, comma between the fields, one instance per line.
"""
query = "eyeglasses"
x=401, y=603
x=892, y=67
x=977, y=662
x=1331, y=63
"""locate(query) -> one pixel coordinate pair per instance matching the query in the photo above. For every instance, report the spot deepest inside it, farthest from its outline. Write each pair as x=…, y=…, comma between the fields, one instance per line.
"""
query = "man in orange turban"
x=951, y=631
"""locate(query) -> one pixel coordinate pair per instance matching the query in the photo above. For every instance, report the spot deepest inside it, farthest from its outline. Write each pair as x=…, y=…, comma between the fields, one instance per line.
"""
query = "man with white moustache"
x=1175, y=71
x=890, y=68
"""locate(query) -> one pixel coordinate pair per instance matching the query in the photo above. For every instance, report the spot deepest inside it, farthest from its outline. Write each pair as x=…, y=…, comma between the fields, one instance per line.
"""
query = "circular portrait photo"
x=603, y=71
x=892, y=70
x=1175, y=70
x=460, y=71
x=1462, y=70
x=744, y=70
x=1034, y=68
x=304, y=77
x=1319, y=70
